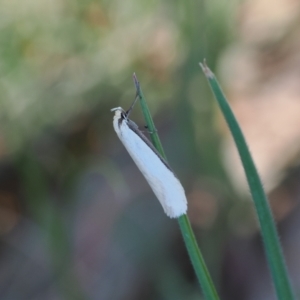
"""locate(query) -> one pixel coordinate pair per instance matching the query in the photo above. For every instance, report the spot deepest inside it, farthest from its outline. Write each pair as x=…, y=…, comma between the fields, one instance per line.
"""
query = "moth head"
x=119, y=112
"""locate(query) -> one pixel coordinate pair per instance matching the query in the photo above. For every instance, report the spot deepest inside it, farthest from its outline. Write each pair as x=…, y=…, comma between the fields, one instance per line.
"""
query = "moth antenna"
x=137, y=94
x=132, y=105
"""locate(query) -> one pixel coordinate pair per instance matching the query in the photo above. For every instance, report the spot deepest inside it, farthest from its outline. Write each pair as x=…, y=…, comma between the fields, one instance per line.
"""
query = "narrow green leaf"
x=267, y=224
x=196, y=257
x=149, y=121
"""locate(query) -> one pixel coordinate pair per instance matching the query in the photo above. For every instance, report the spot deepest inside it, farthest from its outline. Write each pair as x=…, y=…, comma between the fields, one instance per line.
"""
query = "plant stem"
x=149, y=121
x=197, y=259
x=194, y=252
x=267, y=224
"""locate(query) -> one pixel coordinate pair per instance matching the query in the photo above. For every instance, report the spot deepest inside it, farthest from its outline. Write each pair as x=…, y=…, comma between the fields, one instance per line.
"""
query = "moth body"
x=160, y=177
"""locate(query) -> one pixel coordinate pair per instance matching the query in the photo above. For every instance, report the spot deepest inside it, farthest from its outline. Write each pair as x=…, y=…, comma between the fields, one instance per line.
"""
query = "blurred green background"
x=77, y=220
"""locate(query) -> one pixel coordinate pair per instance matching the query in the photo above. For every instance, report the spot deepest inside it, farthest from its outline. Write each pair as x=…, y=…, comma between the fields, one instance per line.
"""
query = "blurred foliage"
x=60, y=58
x=63, y=65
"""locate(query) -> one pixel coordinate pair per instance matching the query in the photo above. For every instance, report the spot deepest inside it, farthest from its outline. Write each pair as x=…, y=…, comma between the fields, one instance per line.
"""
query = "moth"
x=152, y=165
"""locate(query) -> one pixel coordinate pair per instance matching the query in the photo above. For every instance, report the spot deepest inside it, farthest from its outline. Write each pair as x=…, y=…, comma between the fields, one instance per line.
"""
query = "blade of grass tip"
x=147, y=116
x=268, y=229
x=195, y=255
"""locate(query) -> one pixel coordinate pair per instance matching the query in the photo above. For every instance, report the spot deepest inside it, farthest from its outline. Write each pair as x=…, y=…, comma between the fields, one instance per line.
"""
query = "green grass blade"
x=267, y=224
x=196, y=257
x=149, y=121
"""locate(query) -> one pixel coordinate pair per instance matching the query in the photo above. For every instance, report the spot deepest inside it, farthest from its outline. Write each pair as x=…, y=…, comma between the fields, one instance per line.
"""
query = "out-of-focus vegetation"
x=77, y=220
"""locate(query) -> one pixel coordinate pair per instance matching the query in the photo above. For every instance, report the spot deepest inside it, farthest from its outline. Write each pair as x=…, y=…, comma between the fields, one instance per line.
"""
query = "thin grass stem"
x=194, y=252
x=268, y=229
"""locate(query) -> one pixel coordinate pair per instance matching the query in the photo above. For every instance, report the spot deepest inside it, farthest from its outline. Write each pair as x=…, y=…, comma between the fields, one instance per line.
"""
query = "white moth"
x=155, y=169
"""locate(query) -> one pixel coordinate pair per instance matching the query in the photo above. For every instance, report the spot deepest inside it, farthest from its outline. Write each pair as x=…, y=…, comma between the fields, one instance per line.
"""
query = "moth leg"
x=150, y=132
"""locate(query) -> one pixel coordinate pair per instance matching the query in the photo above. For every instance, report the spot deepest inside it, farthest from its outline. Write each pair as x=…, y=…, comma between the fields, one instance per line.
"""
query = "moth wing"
x=162, y=180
